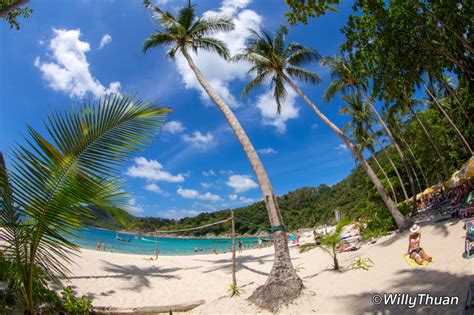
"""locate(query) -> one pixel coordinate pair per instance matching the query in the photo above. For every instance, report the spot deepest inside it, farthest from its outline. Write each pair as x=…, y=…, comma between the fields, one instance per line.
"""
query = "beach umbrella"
x=436, y=188
x=467, y=170
x=454, y=181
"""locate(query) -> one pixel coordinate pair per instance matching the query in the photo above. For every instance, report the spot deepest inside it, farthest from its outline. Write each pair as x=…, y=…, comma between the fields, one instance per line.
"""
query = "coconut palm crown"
x=270, y=58
x=187, y=31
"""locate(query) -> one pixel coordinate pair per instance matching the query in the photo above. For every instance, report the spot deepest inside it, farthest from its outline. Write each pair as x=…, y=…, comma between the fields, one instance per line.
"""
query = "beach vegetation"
x=74, y=305
x=331, y=241
x=46, y=195
x=235, y=290
x=361, y=263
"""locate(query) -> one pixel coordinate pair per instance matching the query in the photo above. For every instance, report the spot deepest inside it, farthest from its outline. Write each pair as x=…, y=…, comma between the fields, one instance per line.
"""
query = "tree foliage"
x=47, y=193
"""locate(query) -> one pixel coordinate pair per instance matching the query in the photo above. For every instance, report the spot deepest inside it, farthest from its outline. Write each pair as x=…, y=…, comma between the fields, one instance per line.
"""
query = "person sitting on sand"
x=415, y=251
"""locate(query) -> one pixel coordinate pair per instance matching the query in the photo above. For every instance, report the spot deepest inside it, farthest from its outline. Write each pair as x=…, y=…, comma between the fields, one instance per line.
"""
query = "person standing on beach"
x=260, y=242
x=103, y=247
x=239, y=243
x=98, y=245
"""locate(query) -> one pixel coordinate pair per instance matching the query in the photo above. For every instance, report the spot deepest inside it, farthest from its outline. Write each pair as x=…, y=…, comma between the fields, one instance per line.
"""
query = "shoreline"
x=135, y=233
x=132, y=280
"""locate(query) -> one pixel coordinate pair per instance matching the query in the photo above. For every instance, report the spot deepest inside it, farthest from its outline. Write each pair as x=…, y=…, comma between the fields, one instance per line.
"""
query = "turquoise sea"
x=141, y=244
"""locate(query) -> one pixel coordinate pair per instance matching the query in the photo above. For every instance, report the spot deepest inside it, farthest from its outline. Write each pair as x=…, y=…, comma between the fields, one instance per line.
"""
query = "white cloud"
x=342, y=147
x=241, y=183
x=194, y=194
x=206, y=185
x=152, y=170
x=226, y=172
x=199, y=140
x=106, y=39
x=217, y=71
x=173, y=127
x=68, y=70
x=209, y=173
x=267, y=151
x=233, y=197
x=247, y=200
x=268, y=108
x=132, y=207
x=204, y=206
x=178, y=213
x=156, y=189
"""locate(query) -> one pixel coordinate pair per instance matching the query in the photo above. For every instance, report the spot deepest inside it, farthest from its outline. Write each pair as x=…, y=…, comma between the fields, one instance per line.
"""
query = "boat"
x=121, y=239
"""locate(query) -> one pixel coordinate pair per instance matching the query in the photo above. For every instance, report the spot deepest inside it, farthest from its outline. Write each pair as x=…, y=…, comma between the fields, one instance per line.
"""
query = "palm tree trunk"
x=458, y=132
x=400, y=220
x=283, y=284
x=452, y=93
x=431, y=140
x=395, y=168
x=386, y=177
x=399, y=151
x=425, y=179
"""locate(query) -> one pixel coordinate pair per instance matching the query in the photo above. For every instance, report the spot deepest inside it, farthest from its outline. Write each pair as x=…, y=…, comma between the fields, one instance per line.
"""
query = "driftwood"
x=148, y=310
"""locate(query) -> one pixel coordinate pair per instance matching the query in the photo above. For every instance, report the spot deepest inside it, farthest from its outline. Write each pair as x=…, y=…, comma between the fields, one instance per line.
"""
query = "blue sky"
x=87, y=48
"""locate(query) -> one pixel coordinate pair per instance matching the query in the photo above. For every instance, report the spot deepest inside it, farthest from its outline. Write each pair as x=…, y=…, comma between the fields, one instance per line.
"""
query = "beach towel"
x=413, y=263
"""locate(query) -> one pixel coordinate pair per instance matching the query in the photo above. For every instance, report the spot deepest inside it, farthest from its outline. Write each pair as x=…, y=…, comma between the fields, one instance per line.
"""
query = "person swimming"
x=415, y=251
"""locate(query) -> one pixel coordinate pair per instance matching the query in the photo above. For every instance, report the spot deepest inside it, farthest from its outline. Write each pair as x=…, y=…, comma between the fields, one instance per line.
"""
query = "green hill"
x=304, y=207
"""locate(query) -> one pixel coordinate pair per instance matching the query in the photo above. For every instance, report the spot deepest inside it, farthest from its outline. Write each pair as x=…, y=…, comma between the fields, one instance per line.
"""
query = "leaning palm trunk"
x=425, y=178
x=400, y=220
x=431, y=140
x=452, y=93
x=395, y=168
x=394, y=195
x=399, y=151
x=283, y=284
x=450, y=121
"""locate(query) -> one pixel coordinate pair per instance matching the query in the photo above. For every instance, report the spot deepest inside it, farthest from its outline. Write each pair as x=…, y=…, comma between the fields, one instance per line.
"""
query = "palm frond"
x=211, y=25
x=55, y=181
x=303, y=75
x=300, y=55
x=258, y=80
x=158, y=39
x=186, y=16
x=213, y=45
x=279, y=91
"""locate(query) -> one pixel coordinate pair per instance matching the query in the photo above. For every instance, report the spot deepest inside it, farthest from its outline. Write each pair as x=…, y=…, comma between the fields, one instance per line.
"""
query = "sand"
x=122, y=280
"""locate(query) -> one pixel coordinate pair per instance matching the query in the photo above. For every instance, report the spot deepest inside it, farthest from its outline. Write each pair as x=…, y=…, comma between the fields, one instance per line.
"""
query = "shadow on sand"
x=433, y=282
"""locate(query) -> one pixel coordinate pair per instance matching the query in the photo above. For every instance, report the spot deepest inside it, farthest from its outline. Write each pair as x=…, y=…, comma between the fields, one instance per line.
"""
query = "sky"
x=86, y=49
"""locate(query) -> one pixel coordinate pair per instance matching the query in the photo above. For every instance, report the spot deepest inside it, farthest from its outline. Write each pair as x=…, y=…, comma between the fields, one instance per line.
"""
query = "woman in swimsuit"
x=414, y=249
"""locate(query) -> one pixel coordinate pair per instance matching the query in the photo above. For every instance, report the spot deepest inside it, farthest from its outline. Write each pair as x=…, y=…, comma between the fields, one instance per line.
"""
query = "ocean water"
x=141, y=244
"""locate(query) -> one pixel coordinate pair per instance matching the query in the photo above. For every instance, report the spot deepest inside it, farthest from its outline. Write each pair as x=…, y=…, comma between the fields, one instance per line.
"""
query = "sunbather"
x=415, y=251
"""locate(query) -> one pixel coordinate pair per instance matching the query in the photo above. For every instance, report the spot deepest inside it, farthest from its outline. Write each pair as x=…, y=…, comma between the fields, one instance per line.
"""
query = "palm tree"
x=359, y=125
x=184, y=33
x=271, y=58
x=344, y=79
x=406, y=103
x=376, y=137
x=47, y=194
x=431, y=93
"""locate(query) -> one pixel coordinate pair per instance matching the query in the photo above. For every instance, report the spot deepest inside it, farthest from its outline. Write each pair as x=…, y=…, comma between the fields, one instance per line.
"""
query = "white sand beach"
x=122, y=280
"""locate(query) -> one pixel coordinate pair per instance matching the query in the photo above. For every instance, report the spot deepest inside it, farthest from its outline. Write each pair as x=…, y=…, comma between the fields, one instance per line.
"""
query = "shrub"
x=73, y=305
